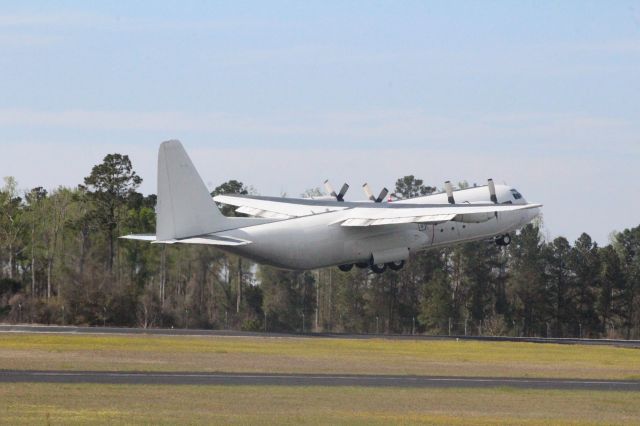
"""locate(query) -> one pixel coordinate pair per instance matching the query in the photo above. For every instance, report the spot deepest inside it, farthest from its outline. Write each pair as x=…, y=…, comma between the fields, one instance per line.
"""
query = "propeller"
x=449, y=188
x=492, y=191
x=339, y=196
x=367, y=191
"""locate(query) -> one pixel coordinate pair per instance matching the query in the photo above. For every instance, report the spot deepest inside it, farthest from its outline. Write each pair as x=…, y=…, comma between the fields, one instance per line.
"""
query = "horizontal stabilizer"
x=142, y=237
x=208, y=240
x=213, y=240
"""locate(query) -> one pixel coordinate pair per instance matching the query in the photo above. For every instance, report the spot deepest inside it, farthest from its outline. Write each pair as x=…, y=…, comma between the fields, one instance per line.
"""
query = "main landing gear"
x=396, y=266
x=503, y=240
x=378, y=268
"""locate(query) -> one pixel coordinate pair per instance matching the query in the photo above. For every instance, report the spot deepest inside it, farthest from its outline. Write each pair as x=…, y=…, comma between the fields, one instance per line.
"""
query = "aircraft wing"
x=359, y=214
x=427, y=214
x=278, y=208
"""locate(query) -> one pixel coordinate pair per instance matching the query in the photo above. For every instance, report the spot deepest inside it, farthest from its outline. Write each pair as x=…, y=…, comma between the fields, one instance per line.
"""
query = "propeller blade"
x=382, y=195
x=330, y=189
x=367, y=191
x=343, y=191
x=492, y=191
x=449, y=188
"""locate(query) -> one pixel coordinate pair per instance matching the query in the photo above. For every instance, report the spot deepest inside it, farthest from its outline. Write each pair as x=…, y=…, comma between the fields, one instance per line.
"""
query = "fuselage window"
x=516, y=194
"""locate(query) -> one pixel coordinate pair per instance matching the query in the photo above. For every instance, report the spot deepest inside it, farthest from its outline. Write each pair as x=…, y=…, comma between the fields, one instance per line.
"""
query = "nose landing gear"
x=503, y=240
x=379, y=268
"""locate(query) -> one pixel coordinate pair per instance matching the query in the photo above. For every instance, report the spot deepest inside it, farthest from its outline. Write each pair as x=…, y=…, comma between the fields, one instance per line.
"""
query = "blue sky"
x=542, y=95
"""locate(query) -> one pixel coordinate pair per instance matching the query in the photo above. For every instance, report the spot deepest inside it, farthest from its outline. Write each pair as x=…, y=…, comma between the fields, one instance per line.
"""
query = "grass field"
x=109, y=404
x=314, y=355
x=36, y=403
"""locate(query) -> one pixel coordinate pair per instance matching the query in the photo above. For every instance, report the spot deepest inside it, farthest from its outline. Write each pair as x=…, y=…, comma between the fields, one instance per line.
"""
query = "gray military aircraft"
x=301, y=233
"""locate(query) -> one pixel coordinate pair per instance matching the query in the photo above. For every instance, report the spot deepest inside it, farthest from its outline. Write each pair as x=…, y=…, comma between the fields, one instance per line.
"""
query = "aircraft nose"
x=529, y=215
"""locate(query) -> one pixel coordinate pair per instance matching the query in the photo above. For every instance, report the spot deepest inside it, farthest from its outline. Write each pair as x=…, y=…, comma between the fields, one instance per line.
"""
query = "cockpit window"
x=516, y=194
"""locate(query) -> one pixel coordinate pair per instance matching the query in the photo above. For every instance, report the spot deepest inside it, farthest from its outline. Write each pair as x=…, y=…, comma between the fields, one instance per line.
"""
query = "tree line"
x=62, y=263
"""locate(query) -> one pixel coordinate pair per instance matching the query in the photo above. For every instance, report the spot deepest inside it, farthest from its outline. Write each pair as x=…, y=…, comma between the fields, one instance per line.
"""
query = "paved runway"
x=230, y=333
x=144, y=378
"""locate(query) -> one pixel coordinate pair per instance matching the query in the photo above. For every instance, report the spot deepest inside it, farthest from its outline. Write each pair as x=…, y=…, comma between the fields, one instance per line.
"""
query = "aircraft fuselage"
x=312, y=241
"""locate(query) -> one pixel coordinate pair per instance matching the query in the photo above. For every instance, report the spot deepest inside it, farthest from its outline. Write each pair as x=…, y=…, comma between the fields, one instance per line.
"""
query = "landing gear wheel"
x=362, y=265
x=379, y=268
x=346, y=267
x=396, y=266
x=503, y=240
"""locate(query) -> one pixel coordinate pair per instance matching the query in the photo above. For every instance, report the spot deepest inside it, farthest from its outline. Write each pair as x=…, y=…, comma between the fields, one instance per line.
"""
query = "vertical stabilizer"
x=185, y=207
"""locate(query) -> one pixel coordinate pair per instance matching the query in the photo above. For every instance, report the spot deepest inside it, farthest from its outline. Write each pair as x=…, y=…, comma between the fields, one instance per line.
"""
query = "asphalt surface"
x=257, y=379
x=229, y=333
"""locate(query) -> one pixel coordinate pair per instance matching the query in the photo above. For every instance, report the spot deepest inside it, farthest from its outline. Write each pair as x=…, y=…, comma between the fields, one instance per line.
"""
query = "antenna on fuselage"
x=492, y=191
x=449, y=188
x=340, y=195
x=367, y=191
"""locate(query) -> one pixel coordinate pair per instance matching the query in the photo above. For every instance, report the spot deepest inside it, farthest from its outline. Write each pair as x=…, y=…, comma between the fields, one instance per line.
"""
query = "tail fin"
x=185, y=207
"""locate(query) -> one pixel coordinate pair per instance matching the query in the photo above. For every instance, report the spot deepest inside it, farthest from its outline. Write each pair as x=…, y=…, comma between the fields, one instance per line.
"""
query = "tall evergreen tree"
x=560, y=282
x=410, y=187
x=436, y=305
x=585, y=265
x=531, y=301
x=109, y=185
x=480, y=270
x=612, y=286
x=627, y=244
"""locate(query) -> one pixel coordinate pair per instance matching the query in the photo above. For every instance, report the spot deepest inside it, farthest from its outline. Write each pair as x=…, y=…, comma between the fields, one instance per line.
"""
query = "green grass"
x=30, y=403
x=315, y=355
x=108, y=404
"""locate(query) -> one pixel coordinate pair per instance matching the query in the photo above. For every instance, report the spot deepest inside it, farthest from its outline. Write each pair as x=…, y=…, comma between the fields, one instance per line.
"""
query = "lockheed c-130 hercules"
x=302, y=233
